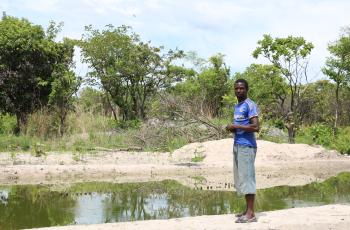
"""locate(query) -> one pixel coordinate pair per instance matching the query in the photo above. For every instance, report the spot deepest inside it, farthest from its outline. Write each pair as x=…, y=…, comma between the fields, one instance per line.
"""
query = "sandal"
x=244, y=219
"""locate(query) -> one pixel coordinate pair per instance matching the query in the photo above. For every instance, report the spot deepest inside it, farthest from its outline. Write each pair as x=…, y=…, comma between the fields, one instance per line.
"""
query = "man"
x=245, y=123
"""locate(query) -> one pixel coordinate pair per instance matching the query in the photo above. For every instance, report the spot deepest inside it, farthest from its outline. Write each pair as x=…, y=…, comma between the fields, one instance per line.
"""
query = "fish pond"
x=29, y=206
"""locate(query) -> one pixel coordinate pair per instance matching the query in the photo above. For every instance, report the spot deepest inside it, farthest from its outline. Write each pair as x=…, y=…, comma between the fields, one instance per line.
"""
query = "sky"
x=230, y=27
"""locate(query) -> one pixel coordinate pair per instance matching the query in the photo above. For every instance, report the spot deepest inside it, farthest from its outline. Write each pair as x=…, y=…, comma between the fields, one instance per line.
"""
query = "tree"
x=129, y=70
x=214, y=83
x=290, y=55
x=337, y=67
x=316, y=105
x=28, y=57
x=64, y=86
x=207, y=88
x=94, y=101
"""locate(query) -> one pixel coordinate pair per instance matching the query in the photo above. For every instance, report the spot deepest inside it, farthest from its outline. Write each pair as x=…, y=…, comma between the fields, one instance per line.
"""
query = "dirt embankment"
x=276, y=164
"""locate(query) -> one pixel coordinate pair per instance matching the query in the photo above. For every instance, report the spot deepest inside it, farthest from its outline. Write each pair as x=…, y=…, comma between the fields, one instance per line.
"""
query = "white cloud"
x=4, y=5
x=231, y=27
x=37, y=5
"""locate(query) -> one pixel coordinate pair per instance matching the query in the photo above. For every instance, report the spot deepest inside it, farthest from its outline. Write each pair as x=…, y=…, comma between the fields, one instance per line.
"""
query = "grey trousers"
x=244, y=169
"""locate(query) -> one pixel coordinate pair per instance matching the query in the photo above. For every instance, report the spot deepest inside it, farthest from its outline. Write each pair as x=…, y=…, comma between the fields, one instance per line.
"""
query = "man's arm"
x=253, y=126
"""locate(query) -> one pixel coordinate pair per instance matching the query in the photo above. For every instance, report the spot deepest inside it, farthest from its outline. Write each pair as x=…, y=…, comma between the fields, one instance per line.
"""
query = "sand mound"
x=219, y=152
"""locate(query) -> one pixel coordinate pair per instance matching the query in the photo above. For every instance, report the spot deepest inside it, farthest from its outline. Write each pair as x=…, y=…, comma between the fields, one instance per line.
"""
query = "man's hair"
x=244, y=82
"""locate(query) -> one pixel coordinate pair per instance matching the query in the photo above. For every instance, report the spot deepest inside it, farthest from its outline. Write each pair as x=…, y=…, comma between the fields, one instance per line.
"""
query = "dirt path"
x=311, y=218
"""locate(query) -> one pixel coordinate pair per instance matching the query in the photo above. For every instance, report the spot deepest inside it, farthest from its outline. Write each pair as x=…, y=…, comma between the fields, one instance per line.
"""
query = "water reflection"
x=88, y=203
x=33, y=206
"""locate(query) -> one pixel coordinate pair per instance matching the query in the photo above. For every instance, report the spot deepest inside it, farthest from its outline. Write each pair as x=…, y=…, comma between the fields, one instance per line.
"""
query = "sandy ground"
x=276, y=164
x=311, y=218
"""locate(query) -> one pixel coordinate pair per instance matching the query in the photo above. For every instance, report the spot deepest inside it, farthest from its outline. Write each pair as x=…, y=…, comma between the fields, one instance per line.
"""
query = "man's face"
x=240, y=90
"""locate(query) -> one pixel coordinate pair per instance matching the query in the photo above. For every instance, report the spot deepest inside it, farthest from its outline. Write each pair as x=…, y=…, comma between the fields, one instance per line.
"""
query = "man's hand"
x=231, y=128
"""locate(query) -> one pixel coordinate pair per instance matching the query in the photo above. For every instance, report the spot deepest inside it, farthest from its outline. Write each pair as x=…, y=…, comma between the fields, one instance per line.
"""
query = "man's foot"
x=245, y=219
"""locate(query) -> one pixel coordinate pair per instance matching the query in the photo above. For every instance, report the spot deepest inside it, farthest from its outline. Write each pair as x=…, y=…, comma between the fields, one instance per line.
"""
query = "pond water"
x=88, y=203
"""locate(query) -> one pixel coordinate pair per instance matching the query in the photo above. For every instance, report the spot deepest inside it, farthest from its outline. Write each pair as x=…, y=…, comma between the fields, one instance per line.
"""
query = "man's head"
x=241, y=89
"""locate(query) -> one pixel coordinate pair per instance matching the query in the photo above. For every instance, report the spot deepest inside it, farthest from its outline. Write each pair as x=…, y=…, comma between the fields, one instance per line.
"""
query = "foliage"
x=323, y=135
x=208, y=88
x=28, y=57
x=129, y=70
x=7, y=124
x=289, y=55
x=317, y=105
x=342, y=141
x=337, y=67
x=64, y=86
x=138, y=81
x=93, y=101
x=132, y=124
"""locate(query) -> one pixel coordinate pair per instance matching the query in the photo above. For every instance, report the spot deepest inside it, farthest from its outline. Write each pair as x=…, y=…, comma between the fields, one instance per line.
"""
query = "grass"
x=275, y=139
x=175, y=143
x=198, y=156
x=199, y=179
x=11, y=143
x=197, y=159
x=85, y=132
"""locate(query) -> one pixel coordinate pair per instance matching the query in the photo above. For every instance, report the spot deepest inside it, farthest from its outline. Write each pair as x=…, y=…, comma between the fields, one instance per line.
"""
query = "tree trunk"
x=290, y=125
x=63, y=116
x=111, y=107
x=291, y=134
x=21, y=121
x=336, y=107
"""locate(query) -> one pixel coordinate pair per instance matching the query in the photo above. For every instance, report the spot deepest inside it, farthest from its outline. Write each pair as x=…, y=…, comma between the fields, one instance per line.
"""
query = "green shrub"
x=278, y=123
x=129, y=124
x=342, y=141
x=7, y=123
x=303, y=136
x=322, y=134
